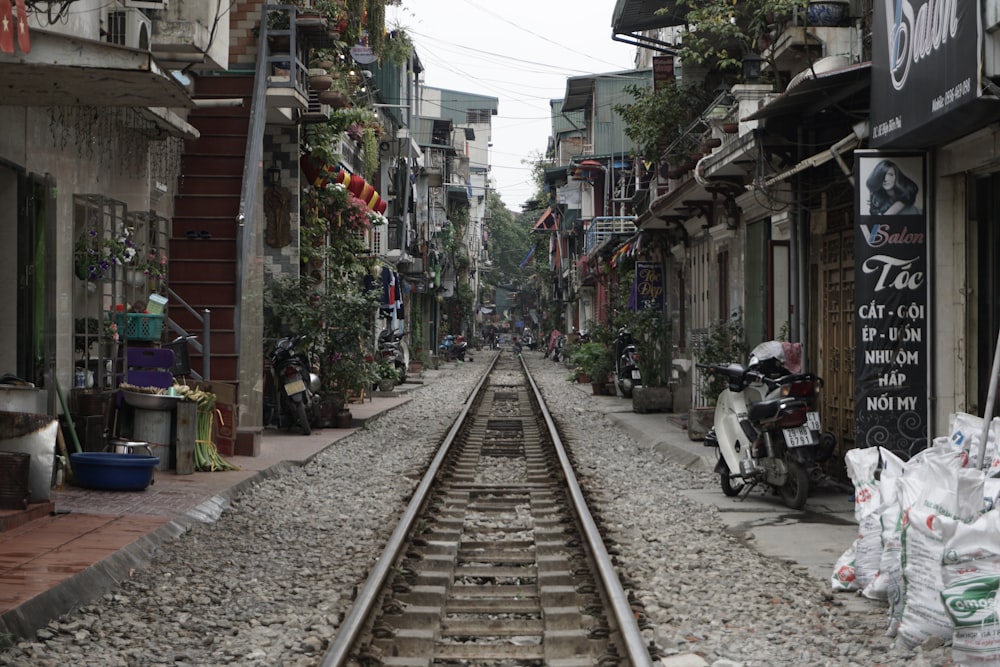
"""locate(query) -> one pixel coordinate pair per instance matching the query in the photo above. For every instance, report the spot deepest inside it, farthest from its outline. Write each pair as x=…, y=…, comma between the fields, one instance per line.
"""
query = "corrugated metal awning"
x=817, y=91
x=638, y=15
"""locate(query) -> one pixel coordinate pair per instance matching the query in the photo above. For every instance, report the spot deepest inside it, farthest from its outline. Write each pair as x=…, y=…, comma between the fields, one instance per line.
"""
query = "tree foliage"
x=509, y=242
x=720, y=32
x=656, y=117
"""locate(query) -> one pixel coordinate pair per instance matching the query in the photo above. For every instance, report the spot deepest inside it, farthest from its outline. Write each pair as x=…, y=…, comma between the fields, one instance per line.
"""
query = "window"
x=473, y=116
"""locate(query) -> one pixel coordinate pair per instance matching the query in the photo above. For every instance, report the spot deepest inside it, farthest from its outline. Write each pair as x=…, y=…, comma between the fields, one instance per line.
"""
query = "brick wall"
x=244, y=18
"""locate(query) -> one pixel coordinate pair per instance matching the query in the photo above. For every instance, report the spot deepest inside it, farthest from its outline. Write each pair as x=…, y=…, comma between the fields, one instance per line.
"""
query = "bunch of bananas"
x=206, y=454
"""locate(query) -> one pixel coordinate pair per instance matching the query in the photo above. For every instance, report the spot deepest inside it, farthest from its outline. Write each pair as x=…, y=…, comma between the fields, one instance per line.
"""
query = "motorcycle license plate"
x=295, y=387
x=635, y=374
x=812, y=421
x=800, y=436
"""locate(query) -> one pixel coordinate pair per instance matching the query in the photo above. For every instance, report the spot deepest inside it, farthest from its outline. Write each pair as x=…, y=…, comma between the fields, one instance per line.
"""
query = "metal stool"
x=128, y=446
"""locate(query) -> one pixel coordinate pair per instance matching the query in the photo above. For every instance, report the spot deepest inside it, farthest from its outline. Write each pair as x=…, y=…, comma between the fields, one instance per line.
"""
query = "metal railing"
x=204, y=347
x=605, y=228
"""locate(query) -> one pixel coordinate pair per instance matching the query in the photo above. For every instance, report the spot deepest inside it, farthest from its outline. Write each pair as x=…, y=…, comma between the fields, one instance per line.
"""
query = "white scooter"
x=767, y=427
x=392, y=347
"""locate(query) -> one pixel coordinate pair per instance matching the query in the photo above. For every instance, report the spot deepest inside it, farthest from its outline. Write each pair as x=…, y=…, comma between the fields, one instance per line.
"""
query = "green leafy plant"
x=592, y=359
x=369, y=146
x=386, y=370
x=720, y=32
x=651, y=334
x=96, y=252
x=152, y=263
x=656, y=118
x=724, y=342
x=337, y=318
x=397, y=47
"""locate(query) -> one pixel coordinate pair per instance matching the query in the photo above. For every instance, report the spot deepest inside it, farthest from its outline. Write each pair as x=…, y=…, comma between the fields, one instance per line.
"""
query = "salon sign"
x=926, y=70
x=891, y=344
x=647, y=287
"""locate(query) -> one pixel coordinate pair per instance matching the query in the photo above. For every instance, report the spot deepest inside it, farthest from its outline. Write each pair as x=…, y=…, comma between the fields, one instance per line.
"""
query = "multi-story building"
x=591, y=180
x=98, y=104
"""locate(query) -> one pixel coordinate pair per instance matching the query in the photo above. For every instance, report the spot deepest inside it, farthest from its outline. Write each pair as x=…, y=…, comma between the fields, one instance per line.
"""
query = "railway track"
x=496, y=560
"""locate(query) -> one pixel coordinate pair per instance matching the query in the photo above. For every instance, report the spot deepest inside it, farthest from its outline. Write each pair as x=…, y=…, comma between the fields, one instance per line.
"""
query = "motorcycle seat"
x=764, y=411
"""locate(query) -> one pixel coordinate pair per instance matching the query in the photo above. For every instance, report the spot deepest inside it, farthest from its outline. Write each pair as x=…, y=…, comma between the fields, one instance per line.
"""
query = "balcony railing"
x=602, y=230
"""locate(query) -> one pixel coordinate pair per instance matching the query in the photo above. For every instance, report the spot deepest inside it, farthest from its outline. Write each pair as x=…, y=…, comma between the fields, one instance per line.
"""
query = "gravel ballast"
x=266, y=583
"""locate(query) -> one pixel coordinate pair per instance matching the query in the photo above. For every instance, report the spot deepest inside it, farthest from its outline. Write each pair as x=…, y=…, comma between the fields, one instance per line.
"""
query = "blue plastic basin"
x=110, y=471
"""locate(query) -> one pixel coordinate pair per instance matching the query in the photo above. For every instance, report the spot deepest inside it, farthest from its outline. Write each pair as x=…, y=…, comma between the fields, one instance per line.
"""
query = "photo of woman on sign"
x=891, y=192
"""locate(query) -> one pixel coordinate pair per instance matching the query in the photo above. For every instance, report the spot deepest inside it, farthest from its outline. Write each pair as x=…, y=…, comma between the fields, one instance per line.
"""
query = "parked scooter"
x=393, y=348
x=766, y=426
x=550, y=346
x=294, y=396
x=559, y=347
x=627, y=375
x=453, y=348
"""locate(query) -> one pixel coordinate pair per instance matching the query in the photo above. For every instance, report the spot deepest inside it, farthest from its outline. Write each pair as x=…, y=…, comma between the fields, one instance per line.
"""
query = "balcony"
x=604, y=230
x=798, y=46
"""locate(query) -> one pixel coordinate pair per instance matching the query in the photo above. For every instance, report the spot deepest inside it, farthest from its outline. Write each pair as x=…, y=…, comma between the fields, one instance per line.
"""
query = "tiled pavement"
x=86, y=540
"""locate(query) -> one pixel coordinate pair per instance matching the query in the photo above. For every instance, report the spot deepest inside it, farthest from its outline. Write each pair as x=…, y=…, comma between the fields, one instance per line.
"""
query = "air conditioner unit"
x=146, y=4
x=128, y=27
x=315, y=111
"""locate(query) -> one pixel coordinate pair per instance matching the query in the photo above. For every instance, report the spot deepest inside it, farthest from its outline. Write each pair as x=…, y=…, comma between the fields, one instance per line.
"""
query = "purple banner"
x=647, y=287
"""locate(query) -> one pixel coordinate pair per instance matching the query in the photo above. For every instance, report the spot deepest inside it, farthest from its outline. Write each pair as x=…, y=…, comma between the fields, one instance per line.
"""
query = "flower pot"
x=81, y=270
x=597, y=388
x=329, y=406
x=344, y=418
x=320, y=82
x=651, y=399
x=730, y=128
x=334, y=98
x=135, y=277
x=582, y=378
x=700, y=421
x=279, y=43
x=386, y=384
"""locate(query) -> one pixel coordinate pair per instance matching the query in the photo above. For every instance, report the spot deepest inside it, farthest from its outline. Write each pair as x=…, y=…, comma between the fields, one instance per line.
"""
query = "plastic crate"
x=139, y=326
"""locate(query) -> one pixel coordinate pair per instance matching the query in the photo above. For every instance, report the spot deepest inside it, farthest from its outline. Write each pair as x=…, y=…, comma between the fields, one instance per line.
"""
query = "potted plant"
x=96, y=252
x=152, y=265
x=387, y=375
x=722, y=343
x=592, y=360
x=651, y=335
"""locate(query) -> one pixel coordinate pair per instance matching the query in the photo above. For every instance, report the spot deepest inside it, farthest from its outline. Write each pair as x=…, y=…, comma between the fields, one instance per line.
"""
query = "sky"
x=519, y=51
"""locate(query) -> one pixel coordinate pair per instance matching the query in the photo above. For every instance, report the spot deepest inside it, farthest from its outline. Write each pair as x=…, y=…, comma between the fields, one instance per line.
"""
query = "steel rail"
x=352, y=626
x=635, y=646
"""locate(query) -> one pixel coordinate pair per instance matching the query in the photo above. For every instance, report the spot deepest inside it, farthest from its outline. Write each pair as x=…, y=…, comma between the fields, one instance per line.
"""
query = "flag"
x=23, y=40
x=6, y=27
x=527, y=258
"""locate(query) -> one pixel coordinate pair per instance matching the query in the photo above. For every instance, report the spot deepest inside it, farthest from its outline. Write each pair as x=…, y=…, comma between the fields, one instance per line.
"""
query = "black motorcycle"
x=627, y=374
x=293, y=396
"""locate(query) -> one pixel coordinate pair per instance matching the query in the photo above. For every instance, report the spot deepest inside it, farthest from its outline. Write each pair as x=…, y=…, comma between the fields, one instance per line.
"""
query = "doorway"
x=26, y=270
x=982, y=277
